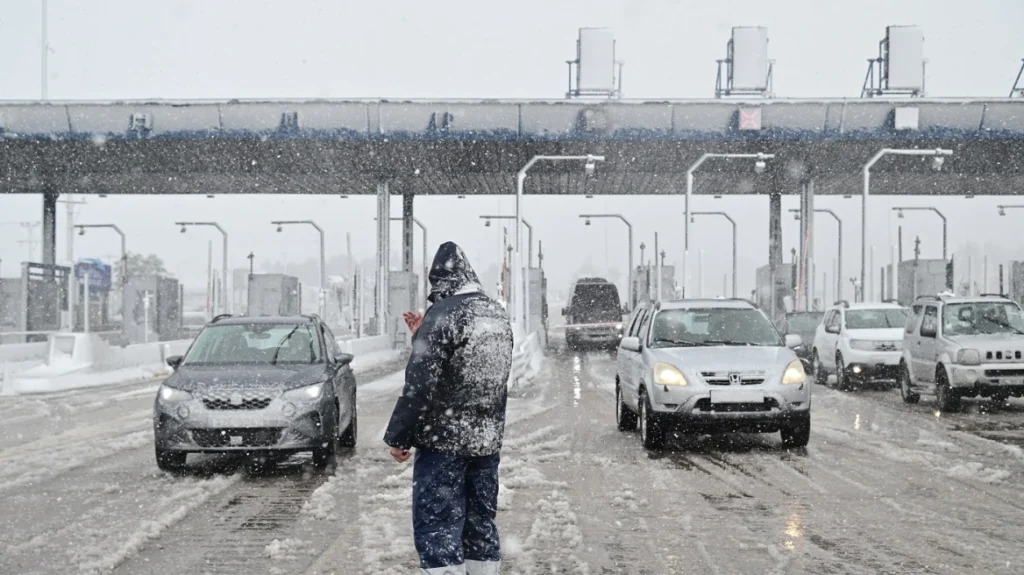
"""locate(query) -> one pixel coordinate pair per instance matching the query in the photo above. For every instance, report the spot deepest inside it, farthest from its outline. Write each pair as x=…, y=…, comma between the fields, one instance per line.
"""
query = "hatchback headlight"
x=794, y=373
x=862, y=344
x=968, y=357
x=666, y=374
x=171, y=394
x=305, y=393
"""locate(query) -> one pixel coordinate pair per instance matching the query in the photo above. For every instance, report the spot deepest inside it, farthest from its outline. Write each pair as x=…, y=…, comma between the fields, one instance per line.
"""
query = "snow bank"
x=526, y=358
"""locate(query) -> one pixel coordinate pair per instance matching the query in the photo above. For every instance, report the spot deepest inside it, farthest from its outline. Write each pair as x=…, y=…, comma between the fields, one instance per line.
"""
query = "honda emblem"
x=735, y=379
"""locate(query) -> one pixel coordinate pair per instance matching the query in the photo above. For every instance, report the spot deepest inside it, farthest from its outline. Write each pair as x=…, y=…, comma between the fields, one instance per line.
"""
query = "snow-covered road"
x=882, y=488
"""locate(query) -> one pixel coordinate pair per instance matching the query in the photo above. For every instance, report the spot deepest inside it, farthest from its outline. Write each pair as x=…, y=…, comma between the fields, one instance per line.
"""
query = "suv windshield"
x=876, y=318
x=597, y=302
x=713, y=326
x=256, y=343
x=982, y=318
x=803, y=322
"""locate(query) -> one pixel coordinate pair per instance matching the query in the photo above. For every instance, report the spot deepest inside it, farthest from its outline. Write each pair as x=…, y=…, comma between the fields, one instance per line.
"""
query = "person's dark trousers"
x=454, y=503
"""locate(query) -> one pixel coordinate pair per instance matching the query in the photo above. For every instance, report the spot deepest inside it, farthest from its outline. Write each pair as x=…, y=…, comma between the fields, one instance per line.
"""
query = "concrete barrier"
x=24, y=351
x=526, y=356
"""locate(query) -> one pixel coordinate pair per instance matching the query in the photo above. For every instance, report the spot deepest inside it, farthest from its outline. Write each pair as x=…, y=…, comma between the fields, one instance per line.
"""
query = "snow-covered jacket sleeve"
x=431, y=349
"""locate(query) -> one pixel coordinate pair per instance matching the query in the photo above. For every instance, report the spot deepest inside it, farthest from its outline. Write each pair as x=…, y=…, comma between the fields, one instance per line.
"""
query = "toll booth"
x=919, y=277
x=10, y=309
x=152, y=309
x=403, y=291
x=44, y=299
x=539, y=305
x=645, y=284
x=100, y=286
x=273, y=295
x=1016, y=282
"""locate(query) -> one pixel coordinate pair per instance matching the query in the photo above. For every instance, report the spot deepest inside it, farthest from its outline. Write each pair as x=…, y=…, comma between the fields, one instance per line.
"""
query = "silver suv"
x=710, y=365
x=957, y=347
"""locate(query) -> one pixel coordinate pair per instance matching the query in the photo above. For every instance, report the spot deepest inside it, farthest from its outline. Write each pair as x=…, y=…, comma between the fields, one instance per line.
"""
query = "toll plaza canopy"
x=476, y=147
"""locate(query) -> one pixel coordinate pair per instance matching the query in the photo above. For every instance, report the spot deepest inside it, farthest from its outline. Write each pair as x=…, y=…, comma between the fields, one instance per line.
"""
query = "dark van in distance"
x=594, y=315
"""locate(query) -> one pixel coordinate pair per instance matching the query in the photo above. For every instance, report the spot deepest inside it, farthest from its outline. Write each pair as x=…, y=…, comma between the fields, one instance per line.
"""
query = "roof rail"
x=1002, y=295
x=929, y=296
x=843, y=303
x=220, y=317
x=744, y=300
x=891, y=300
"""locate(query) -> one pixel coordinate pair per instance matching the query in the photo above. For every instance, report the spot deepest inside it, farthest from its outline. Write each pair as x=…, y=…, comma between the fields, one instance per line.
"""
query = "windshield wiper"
x=1006, y=325
x=679, y=342
x=729, y=342
x=277, y=351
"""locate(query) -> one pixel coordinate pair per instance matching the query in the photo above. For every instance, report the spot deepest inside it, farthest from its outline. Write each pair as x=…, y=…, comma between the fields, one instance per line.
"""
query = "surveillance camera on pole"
x=937, y=162
x=760, y=166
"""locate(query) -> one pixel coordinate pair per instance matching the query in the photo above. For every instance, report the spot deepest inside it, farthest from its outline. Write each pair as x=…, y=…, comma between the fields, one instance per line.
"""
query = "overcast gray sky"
x=124, y=49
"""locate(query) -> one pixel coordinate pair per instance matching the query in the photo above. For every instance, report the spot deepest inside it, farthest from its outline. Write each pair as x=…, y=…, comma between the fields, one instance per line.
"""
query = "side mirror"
x=793, y=340
x=174, y=361
x=344, y=358
x=832, y=329
x=929, y=331
x=631, y=344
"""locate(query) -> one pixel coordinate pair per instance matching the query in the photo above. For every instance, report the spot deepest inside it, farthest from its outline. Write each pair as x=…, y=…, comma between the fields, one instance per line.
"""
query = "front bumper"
x=699, y=406
x=286, y=425
x=867, y=365
x=989, y=379
x=604, y=337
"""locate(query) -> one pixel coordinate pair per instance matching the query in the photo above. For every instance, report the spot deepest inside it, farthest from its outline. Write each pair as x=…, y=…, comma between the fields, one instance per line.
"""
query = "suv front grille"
x=704, y=405
x=725, y=378
x=1003, y=355
x=1004, y=373
x=228, y=399
x=265, y=437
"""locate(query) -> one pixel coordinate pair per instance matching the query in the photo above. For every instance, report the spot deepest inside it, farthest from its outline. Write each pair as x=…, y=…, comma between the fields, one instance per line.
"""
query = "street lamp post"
x=629, y=227
x=529, y=234
x=224, y=264
x=759, y=167
x=937, y=154
x=839, y=247
x=124, y=250
x=323, y=261
x=899, y=212
x=519, y=311
x=733, y=222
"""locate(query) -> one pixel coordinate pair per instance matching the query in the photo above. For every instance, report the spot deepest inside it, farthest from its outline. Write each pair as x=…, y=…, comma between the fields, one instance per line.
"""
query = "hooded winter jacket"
x=456, y=380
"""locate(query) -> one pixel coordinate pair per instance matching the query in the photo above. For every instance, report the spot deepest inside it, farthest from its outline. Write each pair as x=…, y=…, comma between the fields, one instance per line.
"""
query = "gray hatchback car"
x=710, y=365
x=273, y=385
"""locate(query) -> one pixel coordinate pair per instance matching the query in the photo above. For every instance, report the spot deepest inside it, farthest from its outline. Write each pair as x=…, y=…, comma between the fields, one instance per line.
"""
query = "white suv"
x=859, y=342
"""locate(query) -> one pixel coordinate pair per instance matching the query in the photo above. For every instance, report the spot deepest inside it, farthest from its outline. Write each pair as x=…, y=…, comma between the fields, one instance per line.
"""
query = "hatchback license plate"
x=1012, y=381
x=236, y=440
x=737, y=396
x=220, y=420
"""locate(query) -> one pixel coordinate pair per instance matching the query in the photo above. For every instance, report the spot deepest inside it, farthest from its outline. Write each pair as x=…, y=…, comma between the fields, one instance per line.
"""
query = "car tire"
x=796, y=432
x=324, y=453
x=652, y=434
x=348, y=437
x=946, y=398
x=170, y=461
x=625, y=419
x=820, y=375
x=842, y=374
x=906, y=386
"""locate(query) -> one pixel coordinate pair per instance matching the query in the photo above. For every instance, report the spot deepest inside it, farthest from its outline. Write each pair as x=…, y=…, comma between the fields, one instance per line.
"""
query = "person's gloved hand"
x=413, y=320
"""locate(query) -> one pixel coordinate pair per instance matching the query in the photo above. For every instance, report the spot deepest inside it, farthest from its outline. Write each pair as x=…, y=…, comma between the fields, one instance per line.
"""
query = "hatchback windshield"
x=803, y=322
x=596, y=302
x=876, y=318
x=982, y=318
x=256, y=343
x=722, y=326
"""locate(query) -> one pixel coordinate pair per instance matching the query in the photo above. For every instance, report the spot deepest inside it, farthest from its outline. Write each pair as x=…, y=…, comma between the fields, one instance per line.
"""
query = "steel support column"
x=774, y=244
x=407, y=239
x=807, y=244
x=50, y=224
x=383, y=257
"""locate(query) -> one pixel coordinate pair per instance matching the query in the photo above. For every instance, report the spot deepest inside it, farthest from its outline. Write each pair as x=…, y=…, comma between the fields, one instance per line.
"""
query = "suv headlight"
x=968, y=357
x=305, y=393
x=666, y=374
x=171, y=394
x=862, y=344
x=794, y=373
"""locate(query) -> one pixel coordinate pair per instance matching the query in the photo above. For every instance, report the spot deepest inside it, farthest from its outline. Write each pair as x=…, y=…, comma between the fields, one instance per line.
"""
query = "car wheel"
x=348, y=437
x=170, y=461
x=652, y=435
x=947, y=398
x=328, y=448
x=796, y=432
x=842, y=377
x=820, y=375
x=625, y=418
x=907, y=386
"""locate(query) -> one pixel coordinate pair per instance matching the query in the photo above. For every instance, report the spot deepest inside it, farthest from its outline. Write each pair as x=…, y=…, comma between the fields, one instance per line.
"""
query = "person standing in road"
x=452, y=411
